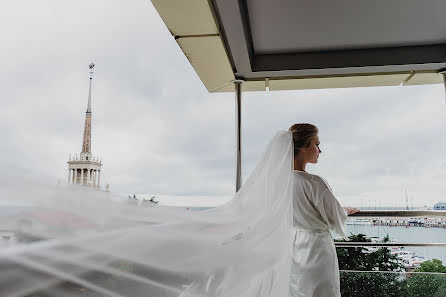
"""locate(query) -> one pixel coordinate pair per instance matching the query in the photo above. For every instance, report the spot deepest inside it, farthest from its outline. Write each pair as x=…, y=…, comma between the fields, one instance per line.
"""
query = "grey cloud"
x=159, y=131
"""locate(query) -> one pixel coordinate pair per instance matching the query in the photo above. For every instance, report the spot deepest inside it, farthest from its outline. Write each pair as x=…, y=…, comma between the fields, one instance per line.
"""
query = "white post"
x=82, y=177
x=75, y=176
x=444, y=82
x=99, y=178
x=69, y=175
x=94, y=178
x=88, y=177
x=238, y=135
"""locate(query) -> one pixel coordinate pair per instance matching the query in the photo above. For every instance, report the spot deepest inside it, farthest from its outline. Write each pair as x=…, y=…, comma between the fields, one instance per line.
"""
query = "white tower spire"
x=87, y=169
x=91, y=66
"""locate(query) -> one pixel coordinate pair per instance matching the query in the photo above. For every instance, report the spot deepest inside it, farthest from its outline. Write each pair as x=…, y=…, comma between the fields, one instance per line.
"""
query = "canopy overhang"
x=301, y=44
x=285, y=45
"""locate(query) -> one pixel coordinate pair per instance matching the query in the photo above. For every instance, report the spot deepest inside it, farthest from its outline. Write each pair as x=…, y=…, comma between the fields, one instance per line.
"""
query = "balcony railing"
x=385, y=244
x=400, y=213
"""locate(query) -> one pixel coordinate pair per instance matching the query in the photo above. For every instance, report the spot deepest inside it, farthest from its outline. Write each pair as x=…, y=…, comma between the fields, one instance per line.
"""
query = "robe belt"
x=309, y=230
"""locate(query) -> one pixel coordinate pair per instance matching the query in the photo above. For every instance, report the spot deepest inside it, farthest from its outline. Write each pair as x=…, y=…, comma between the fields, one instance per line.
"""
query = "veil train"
x=82, y=242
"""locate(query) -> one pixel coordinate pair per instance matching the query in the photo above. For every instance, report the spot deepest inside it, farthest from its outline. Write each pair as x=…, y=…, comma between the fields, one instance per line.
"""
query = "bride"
x=315, y=270
x=84, y=241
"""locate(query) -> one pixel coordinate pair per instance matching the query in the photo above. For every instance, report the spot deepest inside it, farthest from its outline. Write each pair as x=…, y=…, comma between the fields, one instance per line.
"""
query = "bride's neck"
x=299, y=163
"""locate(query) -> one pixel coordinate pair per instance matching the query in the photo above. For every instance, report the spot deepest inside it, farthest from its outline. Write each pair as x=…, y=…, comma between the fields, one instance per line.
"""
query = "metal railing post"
x=238, y=130
x=443, y=73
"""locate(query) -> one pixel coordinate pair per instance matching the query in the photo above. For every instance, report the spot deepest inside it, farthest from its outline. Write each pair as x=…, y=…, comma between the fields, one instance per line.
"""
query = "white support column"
x=69, y=175
x=238, y=135
x=444, y=82
x=88, y=177
x=94, y=178
x=82, y=177
x=99, y=178
x=75, y=176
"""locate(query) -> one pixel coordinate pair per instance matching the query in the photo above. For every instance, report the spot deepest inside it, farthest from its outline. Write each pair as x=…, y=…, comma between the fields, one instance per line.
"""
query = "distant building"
x=85, y=169
x=440, y=206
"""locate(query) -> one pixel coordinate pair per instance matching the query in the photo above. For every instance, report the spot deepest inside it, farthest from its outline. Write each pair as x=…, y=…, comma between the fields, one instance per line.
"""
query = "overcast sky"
x=160, y=133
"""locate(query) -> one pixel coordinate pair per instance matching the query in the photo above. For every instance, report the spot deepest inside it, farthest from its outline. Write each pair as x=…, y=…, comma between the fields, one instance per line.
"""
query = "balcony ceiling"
x=303, y=44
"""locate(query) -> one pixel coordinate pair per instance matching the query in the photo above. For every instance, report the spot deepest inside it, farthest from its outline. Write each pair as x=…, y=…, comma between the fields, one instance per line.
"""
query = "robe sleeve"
x=331, y=211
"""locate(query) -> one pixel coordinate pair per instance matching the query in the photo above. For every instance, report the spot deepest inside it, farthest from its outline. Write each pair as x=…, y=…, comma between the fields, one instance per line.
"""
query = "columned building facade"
x=82, y=171
x=85, y=169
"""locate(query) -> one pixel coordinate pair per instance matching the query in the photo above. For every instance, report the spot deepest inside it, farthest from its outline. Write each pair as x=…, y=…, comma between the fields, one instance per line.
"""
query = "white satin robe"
x=315, y=270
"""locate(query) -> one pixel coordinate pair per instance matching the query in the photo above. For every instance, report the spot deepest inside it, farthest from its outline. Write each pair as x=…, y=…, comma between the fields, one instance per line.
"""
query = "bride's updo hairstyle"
x=303, y=133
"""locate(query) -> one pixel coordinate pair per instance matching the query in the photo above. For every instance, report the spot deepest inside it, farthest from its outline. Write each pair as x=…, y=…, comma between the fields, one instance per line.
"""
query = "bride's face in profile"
x=312, y=151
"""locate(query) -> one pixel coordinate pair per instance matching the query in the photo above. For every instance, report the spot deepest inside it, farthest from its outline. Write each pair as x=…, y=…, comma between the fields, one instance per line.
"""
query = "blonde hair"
x=303, y=133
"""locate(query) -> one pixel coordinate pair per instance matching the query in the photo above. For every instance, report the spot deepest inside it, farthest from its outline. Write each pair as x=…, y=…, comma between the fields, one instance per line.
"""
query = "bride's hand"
x=350, y=210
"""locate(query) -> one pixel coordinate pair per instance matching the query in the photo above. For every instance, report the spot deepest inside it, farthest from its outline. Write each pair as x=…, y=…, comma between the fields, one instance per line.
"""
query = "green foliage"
x=434, y=265
x=369, y=284
x=359, y=258
x=428, y=285
x=353, y=258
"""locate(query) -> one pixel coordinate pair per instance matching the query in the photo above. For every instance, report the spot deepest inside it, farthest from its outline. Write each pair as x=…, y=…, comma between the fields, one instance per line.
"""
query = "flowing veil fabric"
x=84, y=242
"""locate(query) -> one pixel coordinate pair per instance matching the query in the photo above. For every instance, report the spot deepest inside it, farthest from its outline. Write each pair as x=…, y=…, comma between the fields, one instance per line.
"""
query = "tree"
x=428, y=285
x=369, y=284
x=434, y=265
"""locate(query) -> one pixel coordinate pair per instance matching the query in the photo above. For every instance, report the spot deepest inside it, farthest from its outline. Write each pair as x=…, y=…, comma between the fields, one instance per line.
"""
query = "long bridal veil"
x=84, y=242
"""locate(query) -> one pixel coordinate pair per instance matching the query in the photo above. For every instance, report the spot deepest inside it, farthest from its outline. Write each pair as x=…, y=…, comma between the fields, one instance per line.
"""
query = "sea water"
x=403, y=234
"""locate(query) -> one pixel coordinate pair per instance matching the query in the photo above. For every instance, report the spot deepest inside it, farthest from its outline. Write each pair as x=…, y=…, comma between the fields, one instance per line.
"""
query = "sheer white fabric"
x=85, y=240
x=315, y=270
